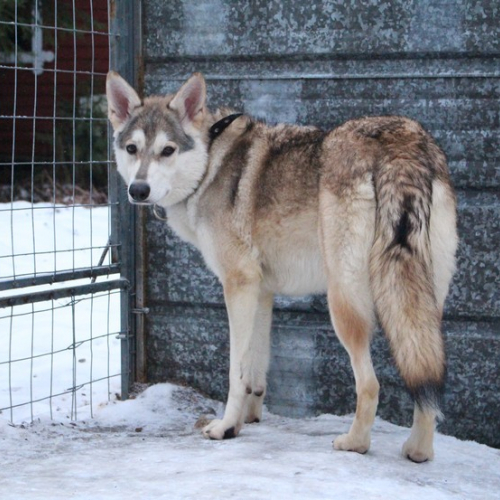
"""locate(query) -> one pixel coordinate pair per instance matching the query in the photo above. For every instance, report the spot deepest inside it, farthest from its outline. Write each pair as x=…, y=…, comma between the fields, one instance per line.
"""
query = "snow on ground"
x=44, y=237
x=148, y=448
x=47, y=348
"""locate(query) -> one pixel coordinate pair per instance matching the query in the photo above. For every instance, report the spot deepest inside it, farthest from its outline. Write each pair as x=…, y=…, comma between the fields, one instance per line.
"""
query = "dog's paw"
x=346, y=442
x=418, y=454
x=218, y=429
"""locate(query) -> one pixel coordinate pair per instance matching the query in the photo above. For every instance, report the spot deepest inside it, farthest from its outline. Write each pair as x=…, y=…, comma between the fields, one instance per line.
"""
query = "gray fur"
x=155, y=119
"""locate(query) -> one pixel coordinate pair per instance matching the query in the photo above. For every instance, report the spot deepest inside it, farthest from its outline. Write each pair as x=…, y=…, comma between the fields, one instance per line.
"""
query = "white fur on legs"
x=260, y=350
x=243, y=296
x=254, y=407
x=418, y=448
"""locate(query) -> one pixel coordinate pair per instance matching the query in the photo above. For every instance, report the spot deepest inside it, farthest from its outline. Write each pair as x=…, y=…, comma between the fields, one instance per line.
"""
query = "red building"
x=53, y=64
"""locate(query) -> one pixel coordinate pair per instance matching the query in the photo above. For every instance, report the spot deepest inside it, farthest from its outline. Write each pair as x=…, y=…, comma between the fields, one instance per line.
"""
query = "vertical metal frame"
x=25, y=272
x=127, y=222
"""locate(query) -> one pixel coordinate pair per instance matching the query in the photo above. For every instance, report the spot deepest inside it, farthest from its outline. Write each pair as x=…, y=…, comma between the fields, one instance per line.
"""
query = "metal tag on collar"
x=217, y=128
x=159, y=212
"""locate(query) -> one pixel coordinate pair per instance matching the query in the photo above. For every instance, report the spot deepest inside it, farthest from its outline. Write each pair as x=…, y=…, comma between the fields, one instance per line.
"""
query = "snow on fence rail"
x=59, y=283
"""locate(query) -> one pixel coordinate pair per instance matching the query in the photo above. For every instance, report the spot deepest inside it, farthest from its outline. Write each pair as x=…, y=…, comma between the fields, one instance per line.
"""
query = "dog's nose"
x=139, y=191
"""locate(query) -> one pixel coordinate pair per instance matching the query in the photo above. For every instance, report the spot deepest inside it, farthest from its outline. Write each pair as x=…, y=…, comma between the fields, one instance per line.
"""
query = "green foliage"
x=8, y=32
x=51, y=13
x=84, y=140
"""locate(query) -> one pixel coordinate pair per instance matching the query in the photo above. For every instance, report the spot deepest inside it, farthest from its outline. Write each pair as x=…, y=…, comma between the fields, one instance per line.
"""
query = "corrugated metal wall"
x=324, y=62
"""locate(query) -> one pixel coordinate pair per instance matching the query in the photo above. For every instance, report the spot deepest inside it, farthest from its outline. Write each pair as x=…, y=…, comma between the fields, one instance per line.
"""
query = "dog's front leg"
x=241, y=293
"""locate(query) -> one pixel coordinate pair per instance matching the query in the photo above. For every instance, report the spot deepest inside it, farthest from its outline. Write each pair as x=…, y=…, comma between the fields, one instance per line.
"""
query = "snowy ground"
x=48, y=348
x=149, y=447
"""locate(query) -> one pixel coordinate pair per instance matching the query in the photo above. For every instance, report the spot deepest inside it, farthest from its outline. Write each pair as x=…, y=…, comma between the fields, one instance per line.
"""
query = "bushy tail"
x=402, y=278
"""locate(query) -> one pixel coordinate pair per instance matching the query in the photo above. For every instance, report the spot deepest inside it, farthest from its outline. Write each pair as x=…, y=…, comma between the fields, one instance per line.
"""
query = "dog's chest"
x=178, y=219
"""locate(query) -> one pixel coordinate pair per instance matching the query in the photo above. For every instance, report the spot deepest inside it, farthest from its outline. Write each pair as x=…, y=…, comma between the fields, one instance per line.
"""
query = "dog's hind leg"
x=354, y=331
x=242, y=290
x=346, y=232
x=258, y=354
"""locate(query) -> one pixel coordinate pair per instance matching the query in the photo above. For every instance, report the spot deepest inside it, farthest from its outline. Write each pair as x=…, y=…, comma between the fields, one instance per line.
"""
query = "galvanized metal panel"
x=215, y=28
x=323, y=63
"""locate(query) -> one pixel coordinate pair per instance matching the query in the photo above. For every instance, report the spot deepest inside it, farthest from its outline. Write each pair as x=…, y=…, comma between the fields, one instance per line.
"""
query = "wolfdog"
x=365, y=212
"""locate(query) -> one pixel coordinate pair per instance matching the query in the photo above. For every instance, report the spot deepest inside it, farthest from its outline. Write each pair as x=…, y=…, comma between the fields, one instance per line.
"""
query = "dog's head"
x=160, y=142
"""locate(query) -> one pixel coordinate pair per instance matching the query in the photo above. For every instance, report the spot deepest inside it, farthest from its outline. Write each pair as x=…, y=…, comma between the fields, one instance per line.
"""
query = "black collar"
x=217, y=128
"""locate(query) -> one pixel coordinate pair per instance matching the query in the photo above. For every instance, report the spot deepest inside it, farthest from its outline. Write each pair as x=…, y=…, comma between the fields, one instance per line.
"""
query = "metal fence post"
x=127, y=222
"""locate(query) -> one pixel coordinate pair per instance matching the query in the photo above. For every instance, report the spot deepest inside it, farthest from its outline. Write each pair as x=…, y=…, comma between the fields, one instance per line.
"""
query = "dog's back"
x=270, y=182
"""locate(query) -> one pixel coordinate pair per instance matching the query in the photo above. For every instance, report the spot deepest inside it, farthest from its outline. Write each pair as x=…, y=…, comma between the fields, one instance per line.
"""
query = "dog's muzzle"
x=139, y=191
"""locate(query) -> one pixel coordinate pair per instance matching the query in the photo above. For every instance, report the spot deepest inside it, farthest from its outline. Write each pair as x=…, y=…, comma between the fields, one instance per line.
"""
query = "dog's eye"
x=167, y=151
x=131, y=149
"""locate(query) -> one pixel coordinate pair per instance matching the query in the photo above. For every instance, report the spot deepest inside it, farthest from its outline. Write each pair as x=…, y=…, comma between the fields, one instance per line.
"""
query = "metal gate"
x=66, y=255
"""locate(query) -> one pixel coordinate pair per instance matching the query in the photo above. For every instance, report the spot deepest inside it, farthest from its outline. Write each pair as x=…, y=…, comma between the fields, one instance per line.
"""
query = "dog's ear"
x=189, y=101
x=122, y=100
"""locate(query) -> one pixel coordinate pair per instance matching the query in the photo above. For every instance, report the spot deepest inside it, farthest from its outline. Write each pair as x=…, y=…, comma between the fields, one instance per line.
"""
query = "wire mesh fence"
x=60, y=292
x=59, y=357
